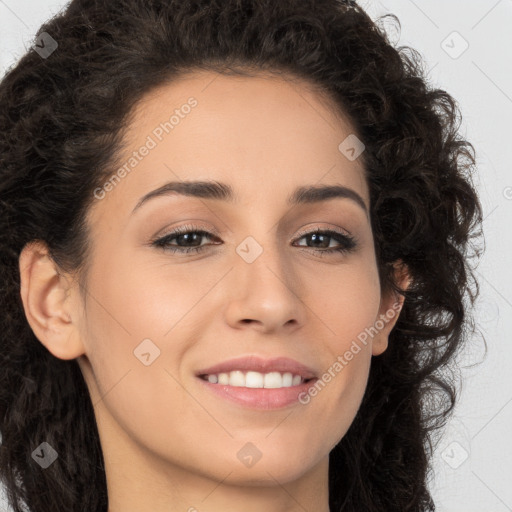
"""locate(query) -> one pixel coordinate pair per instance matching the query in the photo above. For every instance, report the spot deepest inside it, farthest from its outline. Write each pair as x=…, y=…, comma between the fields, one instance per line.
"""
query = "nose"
x=265, y=294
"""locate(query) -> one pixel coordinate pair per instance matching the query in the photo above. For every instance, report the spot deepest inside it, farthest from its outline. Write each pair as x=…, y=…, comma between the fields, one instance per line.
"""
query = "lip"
x=259, y=398
x=258, y=364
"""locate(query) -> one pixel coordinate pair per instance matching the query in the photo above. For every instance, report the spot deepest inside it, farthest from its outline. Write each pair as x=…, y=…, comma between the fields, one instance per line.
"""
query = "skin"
x=168, y=443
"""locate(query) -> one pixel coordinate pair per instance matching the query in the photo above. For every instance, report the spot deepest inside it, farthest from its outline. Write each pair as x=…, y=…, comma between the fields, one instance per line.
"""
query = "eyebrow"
x=223, y=192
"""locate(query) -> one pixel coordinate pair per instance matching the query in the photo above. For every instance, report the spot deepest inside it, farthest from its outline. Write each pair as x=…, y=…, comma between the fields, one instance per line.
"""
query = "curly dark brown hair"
x=62, y=120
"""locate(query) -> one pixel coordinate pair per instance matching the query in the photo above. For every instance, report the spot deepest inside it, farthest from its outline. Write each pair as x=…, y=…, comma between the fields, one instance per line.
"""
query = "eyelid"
x=348, y=242
x=343, y=235
x=336, y=229
x=303, y=232
x=186, y=227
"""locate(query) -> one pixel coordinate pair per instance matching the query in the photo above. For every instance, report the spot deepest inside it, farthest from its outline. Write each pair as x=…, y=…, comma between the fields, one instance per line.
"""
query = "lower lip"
x=260, y=398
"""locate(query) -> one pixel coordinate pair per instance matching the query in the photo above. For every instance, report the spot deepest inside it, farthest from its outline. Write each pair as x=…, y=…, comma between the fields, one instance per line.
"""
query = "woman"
x=235, y=242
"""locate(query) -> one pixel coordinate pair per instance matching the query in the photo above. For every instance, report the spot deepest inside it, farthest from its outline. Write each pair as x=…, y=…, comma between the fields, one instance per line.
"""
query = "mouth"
x=258, y=383
x=256, y=380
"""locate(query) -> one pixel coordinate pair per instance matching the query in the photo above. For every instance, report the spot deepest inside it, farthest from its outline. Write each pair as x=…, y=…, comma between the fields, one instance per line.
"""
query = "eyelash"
x=348, y=242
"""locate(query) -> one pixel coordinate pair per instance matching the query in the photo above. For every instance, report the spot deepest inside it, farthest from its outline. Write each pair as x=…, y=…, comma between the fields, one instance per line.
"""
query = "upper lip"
x=258, y=364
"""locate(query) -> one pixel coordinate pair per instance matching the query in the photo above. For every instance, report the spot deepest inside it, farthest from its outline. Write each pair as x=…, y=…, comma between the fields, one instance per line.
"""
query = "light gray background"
x=473, y=464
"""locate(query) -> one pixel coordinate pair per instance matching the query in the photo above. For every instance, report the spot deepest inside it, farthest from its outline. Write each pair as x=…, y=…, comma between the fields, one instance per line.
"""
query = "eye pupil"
x=316, y=236
x=189, y=237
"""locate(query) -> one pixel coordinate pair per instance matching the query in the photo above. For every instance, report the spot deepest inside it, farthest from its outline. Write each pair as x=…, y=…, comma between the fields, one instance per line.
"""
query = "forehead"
x=258, y=133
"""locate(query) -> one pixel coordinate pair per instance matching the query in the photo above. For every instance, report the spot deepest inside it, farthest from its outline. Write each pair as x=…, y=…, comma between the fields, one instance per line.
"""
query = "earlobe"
x=390, y=308
x=46, y=297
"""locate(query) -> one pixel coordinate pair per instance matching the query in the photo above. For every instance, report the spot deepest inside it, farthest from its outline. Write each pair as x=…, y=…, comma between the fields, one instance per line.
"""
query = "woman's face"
x=262, y=286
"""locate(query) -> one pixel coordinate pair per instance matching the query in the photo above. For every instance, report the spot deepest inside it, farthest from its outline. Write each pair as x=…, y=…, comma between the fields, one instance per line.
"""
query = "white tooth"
x=273, y=380
x=296, y=380
x=223, y=378
x=253, y=380
x=237, y=378
x=287, y=379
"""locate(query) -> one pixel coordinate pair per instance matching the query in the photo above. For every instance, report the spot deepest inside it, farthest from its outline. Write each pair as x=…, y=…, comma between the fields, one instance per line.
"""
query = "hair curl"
x=62, y=121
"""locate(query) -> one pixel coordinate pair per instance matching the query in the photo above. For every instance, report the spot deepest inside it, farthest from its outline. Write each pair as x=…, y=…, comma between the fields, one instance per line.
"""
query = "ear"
x=49, y=301
x=390, y=306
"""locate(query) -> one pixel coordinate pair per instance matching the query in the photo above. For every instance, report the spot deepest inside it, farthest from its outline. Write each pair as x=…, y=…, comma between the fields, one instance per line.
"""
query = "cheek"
x=139, y=312
x=156, y=297
x=347, y=301
x=133, y=302
x=344, y=298
x=126, y=307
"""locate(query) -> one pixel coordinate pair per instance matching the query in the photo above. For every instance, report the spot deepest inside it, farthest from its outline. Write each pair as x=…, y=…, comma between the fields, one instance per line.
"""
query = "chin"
x=269, y=471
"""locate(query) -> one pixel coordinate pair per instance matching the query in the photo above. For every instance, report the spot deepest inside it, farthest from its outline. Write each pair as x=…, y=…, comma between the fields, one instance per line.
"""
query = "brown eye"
x=188, y=239
x=323, y=238
x=184, y=236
